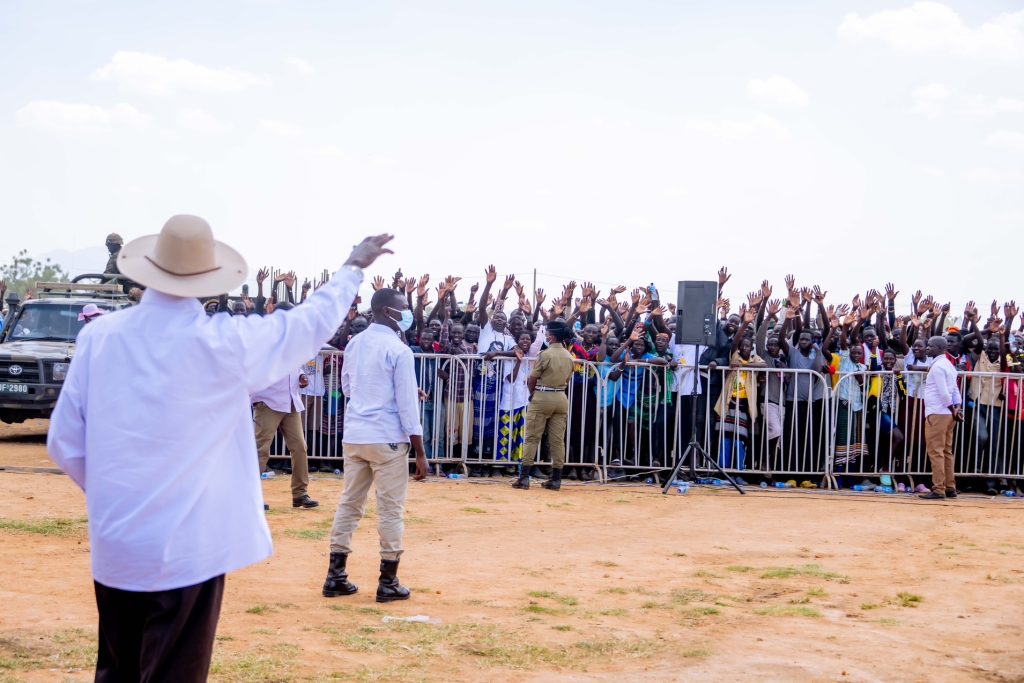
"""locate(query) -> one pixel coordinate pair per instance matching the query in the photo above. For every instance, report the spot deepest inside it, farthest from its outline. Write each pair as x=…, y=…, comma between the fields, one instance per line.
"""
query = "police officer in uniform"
x=549, y=405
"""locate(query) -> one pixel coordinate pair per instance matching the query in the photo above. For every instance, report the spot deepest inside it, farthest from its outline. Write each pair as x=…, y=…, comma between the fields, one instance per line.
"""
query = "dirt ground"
x=596, y=583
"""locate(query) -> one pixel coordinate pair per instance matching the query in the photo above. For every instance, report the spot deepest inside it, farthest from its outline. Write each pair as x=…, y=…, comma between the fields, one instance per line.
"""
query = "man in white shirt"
x=382, y=424
x=281, y=405
x=172, y=488
x=942, y=410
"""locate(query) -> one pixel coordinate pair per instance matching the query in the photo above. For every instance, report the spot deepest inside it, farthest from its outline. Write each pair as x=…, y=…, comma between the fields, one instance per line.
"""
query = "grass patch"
x=617, y=612
x=686, y=596
x=306, y=534
x=805, y=570
x=541, y=609
x=652, y=604
x=705, y=574
x=563, y=627
x=606, y=563
x=800, y=601
x=739, y=568
x=475, y=511
x=252, y=668
x=905, y=599
x=259, y=609
x=816, y=593
x=869, y=606
x=887, y=622
x=787, y=611
x=616, y=591
x=696, y=653
x=678, y=554
x=51, y=526
x=566, y=600
x=73, y=648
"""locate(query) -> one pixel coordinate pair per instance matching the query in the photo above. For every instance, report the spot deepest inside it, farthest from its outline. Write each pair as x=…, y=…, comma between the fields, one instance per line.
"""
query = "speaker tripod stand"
x=695, y=447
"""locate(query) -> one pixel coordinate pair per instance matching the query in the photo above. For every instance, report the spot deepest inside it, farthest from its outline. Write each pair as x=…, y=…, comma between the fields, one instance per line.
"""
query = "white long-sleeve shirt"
x=379, y=379
x=154, y=424
x=284, y=395
x=940, y=389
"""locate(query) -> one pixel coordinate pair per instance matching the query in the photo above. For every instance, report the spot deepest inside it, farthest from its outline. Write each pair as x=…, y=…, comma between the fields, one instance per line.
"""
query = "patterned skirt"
x=511, y=434
x=849, y=440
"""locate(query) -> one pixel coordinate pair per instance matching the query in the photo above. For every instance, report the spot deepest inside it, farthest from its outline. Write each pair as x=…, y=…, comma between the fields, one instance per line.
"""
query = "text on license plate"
x=7, y=388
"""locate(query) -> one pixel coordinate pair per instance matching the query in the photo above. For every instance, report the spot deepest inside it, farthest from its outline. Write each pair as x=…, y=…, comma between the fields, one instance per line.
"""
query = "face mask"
x=405, y=322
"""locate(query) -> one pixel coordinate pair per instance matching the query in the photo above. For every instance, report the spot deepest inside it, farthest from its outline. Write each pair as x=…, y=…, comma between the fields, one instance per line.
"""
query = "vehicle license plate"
x=6, y=388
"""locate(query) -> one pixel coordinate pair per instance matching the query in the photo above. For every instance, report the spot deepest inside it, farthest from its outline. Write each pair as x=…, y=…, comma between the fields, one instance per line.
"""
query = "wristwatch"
x=352, y=267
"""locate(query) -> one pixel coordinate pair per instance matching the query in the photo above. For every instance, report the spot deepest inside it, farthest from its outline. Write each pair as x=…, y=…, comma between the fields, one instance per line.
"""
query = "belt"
x=550, y=389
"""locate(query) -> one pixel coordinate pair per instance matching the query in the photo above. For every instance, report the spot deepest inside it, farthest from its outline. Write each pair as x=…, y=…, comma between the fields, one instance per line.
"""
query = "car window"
x=47, y=322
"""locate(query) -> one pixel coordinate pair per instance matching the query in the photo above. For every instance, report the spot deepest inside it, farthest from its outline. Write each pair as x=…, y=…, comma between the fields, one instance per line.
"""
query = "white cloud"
x=281, y=128
x=75, y=117
x=737, y=130
x=330, y=151
x=994, y=176
x=933, y=171
x=777, y=91
x=931, y=27
x=300, y=66
x=200, y=121
x=986, y=107
x=155, y=75
x=930, y=99
x=1006, y=138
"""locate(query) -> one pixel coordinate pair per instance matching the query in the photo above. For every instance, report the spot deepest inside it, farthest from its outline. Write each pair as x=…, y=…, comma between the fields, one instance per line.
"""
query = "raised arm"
x=491, y=274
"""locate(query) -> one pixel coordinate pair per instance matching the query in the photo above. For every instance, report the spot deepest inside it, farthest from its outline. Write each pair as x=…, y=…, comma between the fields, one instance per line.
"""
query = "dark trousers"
x=160, y=636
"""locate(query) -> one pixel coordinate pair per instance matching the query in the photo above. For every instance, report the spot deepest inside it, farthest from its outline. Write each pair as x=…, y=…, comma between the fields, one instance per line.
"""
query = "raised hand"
x=369, y=250
x=819, y=296
x=850, y=320
x=306, y=285
x=790, y=283
x=842, y=310
x=794, y=298
x=969, y=311
x=540, y=297
x=473, y=290
x=518, y=287
x=658, y=312
x=806, y=294
x=890, y=291
x=410, y=285
x=261, y=275
x=753, y=299
x=509, y=281
x=747, y=314
x=945, y=307
x=491, y=274
x=588, y=289
x=855, y=302
x=584, y=305
x=635, y=296
x=774, y=306
x=377, y=283
x=766, y=290
x=623, y=309
x=618, y=290
x=1010, y=311
x=724, y=306
x=672, y=309
x=723, y=277
x=993, y=324
x=995, y=308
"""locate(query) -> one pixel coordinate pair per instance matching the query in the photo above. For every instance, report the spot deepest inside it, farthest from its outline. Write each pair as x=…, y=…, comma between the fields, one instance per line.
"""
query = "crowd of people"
x=634, y=386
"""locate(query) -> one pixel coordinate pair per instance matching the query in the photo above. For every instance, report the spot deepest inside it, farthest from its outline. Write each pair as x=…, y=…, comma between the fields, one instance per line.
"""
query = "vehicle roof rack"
x=77, y=289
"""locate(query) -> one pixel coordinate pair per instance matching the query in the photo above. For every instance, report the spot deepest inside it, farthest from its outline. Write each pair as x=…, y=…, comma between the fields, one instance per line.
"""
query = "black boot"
x=388, y=589
x=337, y=582
x=555, y=482
x=523, y=482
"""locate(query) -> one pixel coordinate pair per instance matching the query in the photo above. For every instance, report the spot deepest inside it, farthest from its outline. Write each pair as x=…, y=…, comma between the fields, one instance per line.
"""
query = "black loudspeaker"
x=695, y=323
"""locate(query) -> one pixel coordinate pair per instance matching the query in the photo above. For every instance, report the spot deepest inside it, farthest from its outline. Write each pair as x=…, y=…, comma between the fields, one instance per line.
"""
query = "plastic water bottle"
x=682, y=486
x=858, y=487
x=884, y=489
x=1009, y=494
x=267, y=475
x=716, y=482
x=455, y=475
x=780, y=485
x=649, y=481
x=337, y=473
x=763, y=484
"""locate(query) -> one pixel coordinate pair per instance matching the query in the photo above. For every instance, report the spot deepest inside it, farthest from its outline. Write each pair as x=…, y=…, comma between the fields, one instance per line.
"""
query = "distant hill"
x=88, y=260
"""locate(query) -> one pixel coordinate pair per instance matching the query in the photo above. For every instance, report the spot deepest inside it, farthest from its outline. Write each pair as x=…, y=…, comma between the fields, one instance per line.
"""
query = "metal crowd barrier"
x=637, y=425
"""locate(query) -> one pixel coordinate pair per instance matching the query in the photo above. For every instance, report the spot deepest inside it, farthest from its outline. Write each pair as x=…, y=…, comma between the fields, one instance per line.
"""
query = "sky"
x=850, y=143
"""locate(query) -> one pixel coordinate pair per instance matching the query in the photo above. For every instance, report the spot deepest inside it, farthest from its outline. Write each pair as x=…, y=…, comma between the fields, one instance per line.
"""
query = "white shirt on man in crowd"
x=283, y=396
x=194, y=459
x=940, y=389
x=380, y=412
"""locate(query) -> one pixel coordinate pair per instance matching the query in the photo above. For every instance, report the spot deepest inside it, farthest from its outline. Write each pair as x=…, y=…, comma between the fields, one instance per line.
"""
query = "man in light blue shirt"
x=382, y=424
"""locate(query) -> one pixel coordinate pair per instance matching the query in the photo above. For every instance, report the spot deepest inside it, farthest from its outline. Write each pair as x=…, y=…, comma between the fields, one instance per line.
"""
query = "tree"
x=23, y=272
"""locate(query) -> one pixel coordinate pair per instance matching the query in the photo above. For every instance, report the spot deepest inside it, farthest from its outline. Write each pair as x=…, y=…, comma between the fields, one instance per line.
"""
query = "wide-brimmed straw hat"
x=183, y=260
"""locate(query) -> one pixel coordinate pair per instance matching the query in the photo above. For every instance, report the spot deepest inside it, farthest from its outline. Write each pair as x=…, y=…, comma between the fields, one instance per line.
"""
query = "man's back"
x=378, y=378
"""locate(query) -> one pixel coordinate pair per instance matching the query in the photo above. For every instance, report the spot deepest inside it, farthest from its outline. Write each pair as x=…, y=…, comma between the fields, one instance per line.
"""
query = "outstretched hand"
x=369, y=250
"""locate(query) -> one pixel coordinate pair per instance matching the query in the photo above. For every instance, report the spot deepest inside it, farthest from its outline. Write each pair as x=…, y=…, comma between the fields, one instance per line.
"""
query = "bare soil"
x=595, y=583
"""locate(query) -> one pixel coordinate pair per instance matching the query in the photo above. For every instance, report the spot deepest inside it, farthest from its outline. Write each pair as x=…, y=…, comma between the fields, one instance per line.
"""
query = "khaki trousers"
x=267, y=421
x=548, y=411
x=386, y=466
x=938, y=439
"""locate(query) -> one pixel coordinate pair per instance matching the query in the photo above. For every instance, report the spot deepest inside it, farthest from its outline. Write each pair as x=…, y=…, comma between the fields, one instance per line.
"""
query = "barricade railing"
x=765, y=422
x=633, y=421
